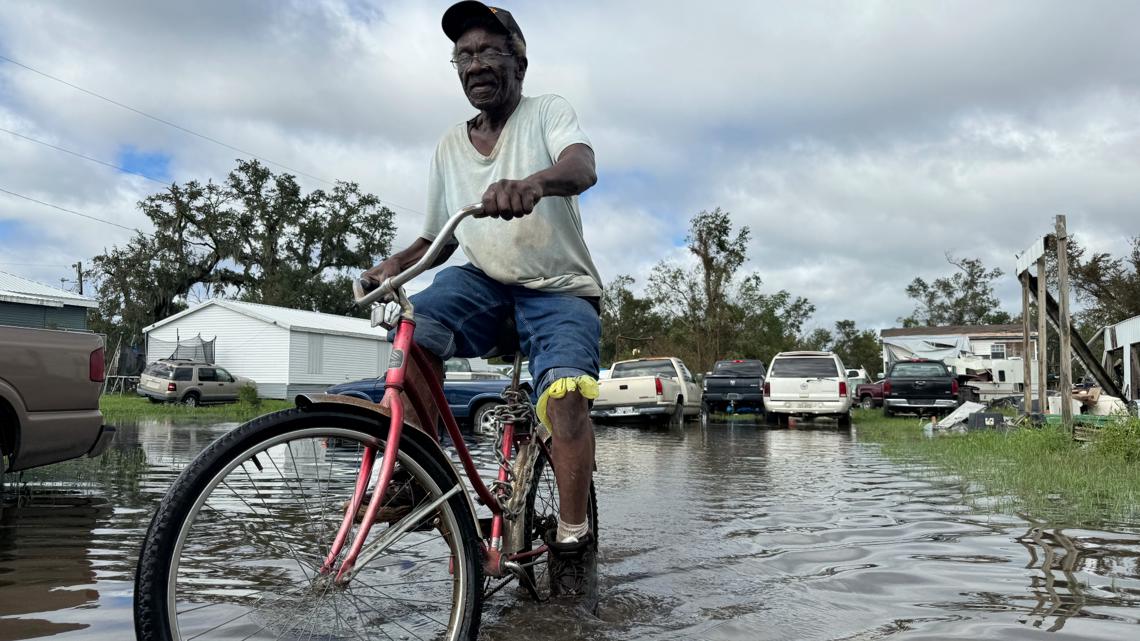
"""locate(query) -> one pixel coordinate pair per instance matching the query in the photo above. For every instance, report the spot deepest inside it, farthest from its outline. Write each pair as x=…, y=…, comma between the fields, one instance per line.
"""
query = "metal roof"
x=972, y=331
x=17, y=289
x=298, y=319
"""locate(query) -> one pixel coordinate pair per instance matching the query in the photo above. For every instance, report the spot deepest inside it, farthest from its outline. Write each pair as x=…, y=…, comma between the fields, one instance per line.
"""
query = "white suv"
x=807, y=384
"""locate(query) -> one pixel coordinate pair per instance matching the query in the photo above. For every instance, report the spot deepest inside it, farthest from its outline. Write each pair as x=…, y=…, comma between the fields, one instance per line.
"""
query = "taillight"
x=954, y=387
x=886, y=388
x=95, y=369
x=660, y=390
x=171, y=387
x=767, y=388
x=842, y=389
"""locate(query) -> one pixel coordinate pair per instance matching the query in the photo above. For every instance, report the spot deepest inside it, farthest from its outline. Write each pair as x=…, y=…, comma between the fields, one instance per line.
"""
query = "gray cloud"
x=860, y=141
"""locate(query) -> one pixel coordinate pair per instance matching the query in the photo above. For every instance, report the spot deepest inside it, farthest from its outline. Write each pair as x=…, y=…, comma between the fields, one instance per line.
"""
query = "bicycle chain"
x=518, y=410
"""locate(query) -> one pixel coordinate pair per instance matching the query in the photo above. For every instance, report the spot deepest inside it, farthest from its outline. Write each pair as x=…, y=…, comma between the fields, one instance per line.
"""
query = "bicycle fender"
x=368, y=409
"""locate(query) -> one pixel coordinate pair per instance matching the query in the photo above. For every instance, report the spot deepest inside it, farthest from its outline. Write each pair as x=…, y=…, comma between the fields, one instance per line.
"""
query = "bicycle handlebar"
x=387, y=289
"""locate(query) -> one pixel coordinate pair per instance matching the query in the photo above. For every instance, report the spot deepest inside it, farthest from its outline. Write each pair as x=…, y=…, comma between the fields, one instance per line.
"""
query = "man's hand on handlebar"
x=376, y=276
x=509, y=199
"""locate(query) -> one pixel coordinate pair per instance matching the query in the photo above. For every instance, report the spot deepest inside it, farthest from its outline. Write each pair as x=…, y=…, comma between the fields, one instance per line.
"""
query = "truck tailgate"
x=637, y=390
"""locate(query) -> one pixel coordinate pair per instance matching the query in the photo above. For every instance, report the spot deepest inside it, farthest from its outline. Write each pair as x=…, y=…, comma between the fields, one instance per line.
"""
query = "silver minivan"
x=189, y=383
x=807, y=384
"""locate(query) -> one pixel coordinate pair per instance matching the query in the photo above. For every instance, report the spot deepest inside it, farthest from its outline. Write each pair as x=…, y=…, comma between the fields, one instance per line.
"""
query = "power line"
x=83, y=156
x=70, y=211
x=186, y=130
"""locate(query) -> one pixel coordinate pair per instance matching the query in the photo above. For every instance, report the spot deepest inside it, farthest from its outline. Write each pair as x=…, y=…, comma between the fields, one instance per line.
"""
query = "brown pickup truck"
x=49, y=396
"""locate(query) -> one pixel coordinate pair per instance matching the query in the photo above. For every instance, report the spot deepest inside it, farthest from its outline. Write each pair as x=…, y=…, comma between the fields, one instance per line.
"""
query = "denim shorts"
x=464, y=310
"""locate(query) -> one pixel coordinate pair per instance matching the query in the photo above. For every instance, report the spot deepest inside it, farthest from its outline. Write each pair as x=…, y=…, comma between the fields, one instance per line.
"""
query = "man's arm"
x=572, y=174
x=402, y=260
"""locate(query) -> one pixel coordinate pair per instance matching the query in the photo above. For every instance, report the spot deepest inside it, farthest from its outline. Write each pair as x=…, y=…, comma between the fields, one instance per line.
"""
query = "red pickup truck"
x=870, y=395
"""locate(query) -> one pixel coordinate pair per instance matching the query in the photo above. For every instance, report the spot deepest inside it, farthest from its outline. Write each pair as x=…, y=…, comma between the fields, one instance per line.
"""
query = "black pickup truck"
x=735, y=386
x=921, y=386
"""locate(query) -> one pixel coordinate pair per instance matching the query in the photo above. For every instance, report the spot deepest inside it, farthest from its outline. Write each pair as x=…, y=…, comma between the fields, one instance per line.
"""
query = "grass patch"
x=125, y=407
x=1041, y=474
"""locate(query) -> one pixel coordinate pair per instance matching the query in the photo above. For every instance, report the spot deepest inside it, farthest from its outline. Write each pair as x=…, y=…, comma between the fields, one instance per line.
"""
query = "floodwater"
x=717, y=532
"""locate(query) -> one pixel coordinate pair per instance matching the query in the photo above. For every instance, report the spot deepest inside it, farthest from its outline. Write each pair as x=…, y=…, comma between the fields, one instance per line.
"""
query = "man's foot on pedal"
x=572, y=567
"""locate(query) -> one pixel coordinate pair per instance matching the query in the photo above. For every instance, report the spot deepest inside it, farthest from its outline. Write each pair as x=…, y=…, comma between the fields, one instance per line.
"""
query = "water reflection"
x=726, y=531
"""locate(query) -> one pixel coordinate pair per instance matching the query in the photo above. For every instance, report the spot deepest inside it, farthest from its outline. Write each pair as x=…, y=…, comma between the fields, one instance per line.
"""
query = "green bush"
x=1119, y=441
x=248, y=395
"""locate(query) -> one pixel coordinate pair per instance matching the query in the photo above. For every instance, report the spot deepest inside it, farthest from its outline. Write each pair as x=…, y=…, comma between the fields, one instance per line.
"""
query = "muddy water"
x=723, y=532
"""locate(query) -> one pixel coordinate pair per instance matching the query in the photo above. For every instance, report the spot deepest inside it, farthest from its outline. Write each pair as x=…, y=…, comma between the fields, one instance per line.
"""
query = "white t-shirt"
x=544, y=250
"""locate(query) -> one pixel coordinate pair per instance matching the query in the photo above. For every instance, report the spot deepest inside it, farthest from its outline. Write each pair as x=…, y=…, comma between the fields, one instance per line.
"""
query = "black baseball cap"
x=462, y=16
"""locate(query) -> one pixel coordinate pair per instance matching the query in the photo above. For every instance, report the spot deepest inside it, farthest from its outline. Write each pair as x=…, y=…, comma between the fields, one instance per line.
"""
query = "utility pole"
x=1042, y=339
x=79, y=275
x=1065, y=358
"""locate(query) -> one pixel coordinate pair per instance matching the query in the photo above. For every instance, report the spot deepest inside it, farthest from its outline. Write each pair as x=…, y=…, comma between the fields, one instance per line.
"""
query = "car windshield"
x=644, y=368
x=920, y=370
x=159, y=370
x=739, y=368
x=804, y=367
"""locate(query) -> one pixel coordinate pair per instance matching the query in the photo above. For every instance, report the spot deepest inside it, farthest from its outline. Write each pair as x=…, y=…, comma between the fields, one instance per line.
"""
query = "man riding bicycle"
x=526, y=160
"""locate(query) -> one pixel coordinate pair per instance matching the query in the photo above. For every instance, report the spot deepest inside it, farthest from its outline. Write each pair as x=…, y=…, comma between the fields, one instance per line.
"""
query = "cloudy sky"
x=859, y=141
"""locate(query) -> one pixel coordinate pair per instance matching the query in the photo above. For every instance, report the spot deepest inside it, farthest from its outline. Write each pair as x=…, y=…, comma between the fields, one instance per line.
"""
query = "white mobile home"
x=286, y=351
x=1122, y=355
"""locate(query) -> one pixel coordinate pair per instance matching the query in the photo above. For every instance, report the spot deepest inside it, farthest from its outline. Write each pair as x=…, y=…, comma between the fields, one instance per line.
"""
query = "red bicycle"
x=340, y=520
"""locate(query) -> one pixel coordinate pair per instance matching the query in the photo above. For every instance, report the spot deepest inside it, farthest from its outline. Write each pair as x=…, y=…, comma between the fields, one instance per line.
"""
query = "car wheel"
x=844, y=421
x=867, y=403
x=887, y=412
x=771, y=418
x=191, y=400
x=678, y=415
x=483, y=421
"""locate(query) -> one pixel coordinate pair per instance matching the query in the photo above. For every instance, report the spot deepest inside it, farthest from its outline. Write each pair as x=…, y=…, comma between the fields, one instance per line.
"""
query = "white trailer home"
x=990, y=352
x=1122, y=355
x=286, y=351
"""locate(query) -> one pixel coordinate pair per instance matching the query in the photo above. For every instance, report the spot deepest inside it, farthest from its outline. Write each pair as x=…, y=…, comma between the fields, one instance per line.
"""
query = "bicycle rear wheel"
x=542, y=506
x=236, y=547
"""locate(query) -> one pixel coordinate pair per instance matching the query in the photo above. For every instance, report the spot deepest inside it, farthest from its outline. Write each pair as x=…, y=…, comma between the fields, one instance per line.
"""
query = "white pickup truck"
x=647, y=388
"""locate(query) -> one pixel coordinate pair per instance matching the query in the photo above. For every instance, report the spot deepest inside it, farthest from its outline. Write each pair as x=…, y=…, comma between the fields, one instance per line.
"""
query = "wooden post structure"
x=1026, y=363
x=1065, y=358
x=1042, y=339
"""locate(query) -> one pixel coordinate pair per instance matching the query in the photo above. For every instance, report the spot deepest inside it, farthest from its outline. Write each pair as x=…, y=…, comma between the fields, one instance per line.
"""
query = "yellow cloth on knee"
x=585, y=385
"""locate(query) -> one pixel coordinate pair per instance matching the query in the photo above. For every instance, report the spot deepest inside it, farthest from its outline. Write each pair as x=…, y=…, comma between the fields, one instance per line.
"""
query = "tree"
x=628, y=322
x=857, y=348
x=258, y=237
x=708, y=312
x=1109, y=287
x=698, y=299
x=767, y=323
x=966, y=297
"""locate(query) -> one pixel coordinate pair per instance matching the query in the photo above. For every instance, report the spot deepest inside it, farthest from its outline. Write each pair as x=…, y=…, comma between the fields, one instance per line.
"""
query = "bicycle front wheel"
x=236, y=548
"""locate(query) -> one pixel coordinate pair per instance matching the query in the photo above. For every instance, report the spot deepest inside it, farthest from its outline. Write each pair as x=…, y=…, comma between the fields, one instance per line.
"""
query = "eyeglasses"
x=465, y=60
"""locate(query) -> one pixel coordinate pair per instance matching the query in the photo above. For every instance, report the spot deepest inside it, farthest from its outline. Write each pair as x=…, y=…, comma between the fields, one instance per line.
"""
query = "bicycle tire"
x=168, y=546
x=541, y=513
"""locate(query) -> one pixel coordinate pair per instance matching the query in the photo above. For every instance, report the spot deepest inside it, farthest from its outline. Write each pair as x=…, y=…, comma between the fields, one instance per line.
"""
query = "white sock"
x=572, y=533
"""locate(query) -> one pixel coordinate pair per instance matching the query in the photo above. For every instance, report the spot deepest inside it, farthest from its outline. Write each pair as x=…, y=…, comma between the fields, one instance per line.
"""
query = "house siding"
x=245, y=346
x=344, y=358
x=21, y=315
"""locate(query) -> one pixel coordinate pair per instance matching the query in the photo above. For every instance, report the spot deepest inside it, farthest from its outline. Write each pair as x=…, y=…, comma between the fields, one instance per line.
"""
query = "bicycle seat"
x=507, y=342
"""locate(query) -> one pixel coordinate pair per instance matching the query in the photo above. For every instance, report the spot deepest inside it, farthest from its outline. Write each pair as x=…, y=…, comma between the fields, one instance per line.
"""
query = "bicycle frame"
x=405, y=351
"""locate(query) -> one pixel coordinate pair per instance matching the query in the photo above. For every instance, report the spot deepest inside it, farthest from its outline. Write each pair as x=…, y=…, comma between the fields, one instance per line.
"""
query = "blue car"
x=471, y=401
